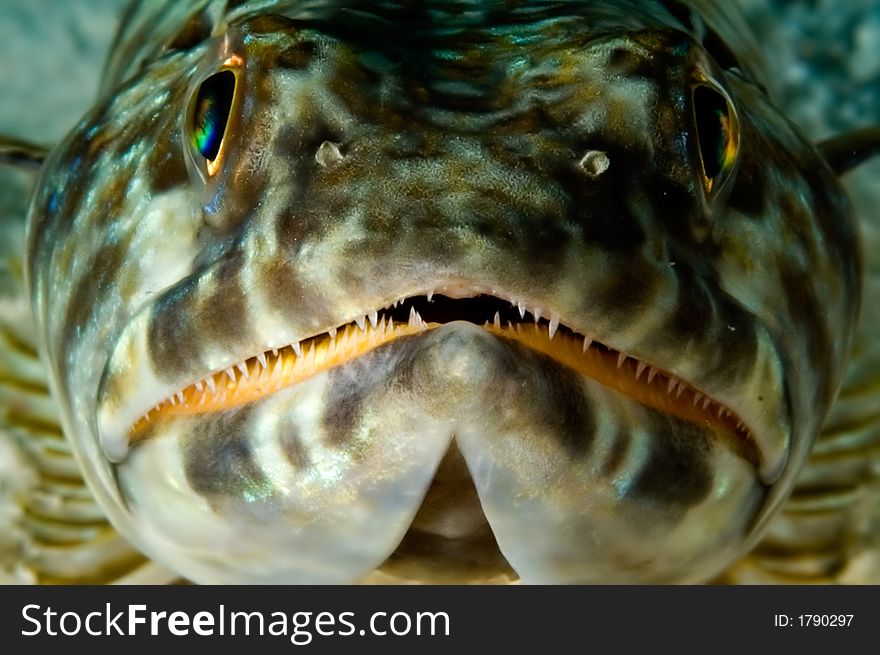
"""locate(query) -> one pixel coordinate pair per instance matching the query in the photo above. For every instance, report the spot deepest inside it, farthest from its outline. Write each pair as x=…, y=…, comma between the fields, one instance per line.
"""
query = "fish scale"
x=381, y=180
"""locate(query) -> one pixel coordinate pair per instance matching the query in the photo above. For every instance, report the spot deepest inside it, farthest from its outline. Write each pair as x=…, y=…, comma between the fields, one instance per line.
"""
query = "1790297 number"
x=825, y=620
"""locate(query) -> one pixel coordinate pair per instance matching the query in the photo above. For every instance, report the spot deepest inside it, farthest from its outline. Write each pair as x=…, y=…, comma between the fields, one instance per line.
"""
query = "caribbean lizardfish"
x=446, y=291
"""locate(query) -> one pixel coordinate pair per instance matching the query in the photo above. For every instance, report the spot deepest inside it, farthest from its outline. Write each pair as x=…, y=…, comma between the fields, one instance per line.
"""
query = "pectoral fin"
x=846, y=151
x=15, y=152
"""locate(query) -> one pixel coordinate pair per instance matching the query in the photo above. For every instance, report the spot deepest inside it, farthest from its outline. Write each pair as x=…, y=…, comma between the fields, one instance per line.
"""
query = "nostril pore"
x=594, y=163
x=328, y=154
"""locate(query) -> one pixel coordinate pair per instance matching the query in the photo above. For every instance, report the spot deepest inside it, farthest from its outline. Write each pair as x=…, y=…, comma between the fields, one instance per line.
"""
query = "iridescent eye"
x=210, y=114
x=717, y=135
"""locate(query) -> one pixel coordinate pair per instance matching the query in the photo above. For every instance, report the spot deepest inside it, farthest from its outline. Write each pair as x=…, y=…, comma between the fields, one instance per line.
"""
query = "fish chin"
x=404, y=459
x=254, y=494
x=674, y=510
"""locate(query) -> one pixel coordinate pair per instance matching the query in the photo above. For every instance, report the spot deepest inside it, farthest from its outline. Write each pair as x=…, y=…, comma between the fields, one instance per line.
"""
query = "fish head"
x=542, y=295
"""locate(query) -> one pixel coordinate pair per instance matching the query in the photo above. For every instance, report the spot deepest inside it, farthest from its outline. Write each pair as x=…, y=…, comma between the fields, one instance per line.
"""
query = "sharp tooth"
x=640, y=368
x=697, y=397
x=621, y=358
x=537, y=314
x=180, y=397
x=332, y=333
x=297, y=349
x=706, y=402
x=374, y=318
x=720, y=411
x=210, y=382
x=587, y=343
x=244, y=370
x=414, y=319
x=496, y=321
x=274, y=352
x=262, y=359
x=652, y=372
x=200, y=386
x=361, y=321
x=522, y=309
x=375, y=336
x=279, y=362
x=230, y=373
x=681, y=387
x=671, y=386
x=430, y=295
x=553, y=326
x=171, y=401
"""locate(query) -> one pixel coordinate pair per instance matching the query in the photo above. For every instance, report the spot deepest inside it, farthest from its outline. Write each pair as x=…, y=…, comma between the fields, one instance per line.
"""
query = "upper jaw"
x=131, y=387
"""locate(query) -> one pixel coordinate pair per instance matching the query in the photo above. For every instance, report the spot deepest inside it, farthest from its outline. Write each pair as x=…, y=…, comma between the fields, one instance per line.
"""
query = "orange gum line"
x=286, y=369
x=283, y=370
x=601, y=366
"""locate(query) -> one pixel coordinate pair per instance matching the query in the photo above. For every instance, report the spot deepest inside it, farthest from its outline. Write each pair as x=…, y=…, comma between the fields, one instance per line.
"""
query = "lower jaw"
x=548, y=493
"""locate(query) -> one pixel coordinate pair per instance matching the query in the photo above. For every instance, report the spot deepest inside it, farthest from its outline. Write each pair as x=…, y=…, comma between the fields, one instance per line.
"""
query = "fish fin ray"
x=844, y=152
x=21, y=154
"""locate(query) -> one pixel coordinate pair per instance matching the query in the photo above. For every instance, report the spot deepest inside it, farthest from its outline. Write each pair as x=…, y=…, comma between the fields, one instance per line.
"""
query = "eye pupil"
x=211, y=113
x=714, y=132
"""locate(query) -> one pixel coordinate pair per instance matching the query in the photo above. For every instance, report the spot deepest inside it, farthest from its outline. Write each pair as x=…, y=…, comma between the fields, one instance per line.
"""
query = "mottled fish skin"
x=383, y=152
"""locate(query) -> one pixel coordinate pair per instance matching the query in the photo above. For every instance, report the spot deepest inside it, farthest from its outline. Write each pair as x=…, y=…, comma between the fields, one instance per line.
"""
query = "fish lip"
x=115, y=418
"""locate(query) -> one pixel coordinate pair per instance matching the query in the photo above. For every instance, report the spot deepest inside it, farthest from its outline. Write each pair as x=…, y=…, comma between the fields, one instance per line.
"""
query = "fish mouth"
x=268, y=371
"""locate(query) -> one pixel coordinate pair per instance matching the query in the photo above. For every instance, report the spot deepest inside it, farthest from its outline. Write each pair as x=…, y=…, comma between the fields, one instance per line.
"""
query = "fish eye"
x=717, y=130
x=209, y=115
